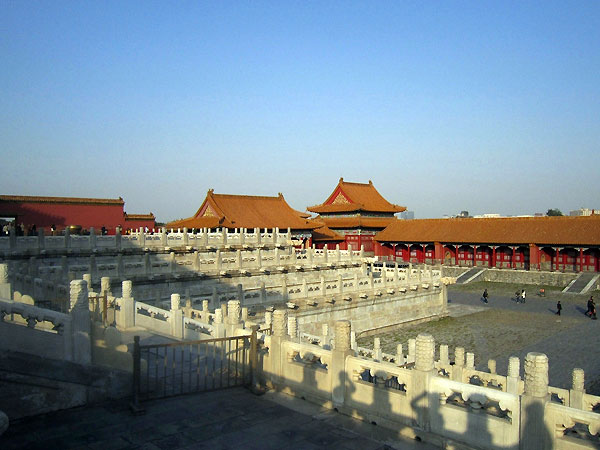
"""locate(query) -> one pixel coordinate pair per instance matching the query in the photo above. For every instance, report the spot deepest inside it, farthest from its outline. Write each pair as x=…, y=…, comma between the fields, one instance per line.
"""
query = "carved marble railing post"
x=244, y=315
x=238, y=260
x=163, y=236
x=400, y=361
x=127, y=313
x=353, y=343
x=342, y=347
x=118, y=238
x=233, y=316
x=513, y=377
x=412, y=349
x=459, y=364
x=186, y=237
x=41, y=243
x=309, y=256
x=444, y=354
x=79, y=311
x=424, y=369
x=258, y=236
x=205, y=313
x=218, y=260
x=577, y=390
x=492, y=365
x=224, y=311
x=535, y=435
x=292, y=327
x=172, y=263
x=218, y=324
x=67, y=238
x=224, y=236
x=141, y=238
x=377, y=353
x=196, y=261
x=5, y=291
x=268, y=319
x=284, y=290
x=470, y=361
x=276, y=350
x=177, y=330
x=105, y=286
x=87, y=277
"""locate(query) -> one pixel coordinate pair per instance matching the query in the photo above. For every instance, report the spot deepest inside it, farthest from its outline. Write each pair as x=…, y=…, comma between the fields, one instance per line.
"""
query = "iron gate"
x=165, y=370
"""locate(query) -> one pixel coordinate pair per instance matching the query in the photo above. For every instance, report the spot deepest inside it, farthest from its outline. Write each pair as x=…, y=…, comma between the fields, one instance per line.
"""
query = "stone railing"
x=240, y=262
x=438, y=400
x=43, y=332
x=160, y=239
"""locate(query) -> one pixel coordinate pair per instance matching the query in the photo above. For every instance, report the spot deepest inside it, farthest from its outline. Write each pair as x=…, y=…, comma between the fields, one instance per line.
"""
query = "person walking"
x=485, y=296
x=523, y=296
x=590, y=306
x=558, y=308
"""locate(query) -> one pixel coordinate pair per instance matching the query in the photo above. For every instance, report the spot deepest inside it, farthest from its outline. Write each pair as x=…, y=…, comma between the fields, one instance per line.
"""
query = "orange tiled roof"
x=62, y=200
x=244, y=211
x=564, y=230
x=348, y=197
x=324, y=233
x=356, y=222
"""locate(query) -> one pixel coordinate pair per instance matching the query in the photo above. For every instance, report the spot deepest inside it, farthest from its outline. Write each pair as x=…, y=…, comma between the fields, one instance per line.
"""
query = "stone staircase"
x=582, y=284
x=471, y=275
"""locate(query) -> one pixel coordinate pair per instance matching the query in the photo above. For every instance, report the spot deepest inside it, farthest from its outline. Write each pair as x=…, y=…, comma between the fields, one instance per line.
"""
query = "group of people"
x=520, y=297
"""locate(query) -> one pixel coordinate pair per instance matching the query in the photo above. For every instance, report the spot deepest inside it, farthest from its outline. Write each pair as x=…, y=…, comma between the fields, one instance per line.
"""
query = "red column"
x=421, y=254
x=456, y=255
x=581, y=259
x=534, y=256
x=438, y=252
x=474, y=255
x=493, y=261
x=513, y=263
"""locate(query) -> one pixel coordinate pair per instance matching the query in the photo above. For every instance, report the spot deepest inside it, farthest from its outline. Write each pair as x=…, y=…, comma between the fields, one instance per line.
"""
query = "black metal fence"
x=165, y=370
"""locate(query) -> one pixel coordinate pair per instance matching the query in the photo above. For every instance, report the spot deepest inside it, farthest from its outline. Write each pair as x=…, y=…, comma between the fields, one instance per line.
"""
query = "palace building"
x=356, y=212
x=530, y=243
x=248, y=211
x=44, y=212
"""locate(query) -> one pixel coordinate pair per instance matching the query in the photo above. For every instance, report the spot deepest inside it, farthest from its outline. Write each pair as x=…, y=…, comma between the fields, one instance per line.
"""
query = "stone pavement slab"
x=226, y=419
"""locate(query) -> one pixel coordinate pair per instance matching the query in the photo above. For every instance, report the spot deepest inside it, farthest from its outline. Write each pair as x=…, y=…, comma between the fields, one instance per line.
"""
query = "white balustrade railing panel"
x=457, y=409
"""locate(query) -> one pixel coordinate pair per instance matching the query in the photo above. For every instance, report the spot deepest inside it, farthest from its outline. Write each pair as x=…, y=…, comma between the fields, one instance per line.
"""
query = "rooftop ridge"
x=43, y=199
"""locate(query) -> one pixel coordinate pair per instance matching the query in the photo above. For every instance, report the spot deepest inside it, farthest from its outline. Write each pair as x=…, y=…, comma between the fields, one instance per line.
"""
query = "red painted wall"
x=44, y=215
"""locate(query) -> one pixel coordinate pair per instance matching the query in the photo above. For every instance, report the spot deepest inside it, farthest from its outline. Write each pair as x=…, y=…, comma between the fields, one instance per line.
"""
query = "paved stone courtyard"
x=503, y=328
x=226, y=419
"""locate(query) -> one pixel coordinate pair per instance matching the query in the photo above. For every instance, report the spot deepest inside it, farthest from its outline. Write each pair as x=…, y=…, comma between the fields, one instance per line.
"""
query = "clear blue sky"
x=483, y=106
